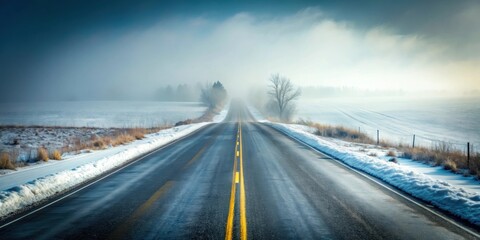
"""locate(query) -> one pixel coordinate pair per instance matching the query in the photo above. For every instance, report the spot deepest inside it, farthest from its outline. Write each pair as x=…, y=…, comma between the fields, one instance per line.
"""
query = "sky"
x=104, y=50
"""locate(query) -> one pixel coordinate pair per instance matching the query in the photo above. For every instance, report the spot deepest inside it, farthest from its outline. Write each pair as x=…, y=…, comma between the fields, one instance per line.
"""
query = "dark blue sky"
x=32, y=30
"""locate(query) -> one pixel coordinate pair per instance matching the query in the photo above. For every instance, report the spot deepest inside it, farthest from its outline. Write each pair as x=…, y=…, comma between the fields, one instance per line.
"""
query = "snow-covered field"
x=451, y=192
x=30, y=185
x=430, y=119
x=103, y=114
x=26, y=140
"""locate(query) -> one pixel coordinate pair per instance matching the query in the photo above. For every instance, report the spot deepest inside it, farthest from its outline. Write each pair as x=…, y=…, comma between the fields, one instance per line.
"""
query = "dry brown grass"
x=99, y=143
x=56, y=155
x=440, y=154
x=116, y=137
x=6, y=162
x=449, y=164
x=137, y=133
x=122, y=139
x=391, y=153
x=338, y=132
x=42, y=154
x=109, y=138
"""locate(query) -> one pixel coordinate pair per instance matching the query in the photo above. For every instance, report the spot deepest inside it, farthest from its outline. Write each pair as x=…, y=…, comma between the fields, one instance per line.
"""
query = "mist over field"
x=91, y=51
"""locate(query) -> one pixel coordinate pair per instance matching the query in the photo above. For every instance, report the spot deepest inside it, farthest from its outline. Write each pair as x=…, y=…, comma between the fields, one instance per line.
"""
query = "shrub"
x=450, y=165
x=6, y=162
x=391, y=153
x=42, y=154
x=99, y=143
x=56, y=155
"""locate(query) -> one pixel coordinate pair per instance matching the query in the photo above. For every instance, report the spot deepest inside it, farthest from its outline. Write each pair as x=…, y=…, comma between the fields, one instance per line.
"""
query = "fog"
x=311, y=46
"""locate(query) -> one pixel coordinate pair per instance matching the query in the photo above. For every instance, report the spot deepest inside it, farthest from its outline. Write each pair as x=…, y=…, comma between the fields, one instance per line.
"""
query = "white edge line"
x=384, y=186
x=100, y=179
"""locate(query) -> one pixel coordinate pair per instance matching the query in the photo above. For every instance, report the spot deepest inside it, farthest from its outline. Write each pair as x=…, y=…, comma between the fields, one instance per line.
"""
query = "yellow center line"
x=243, y=211
x=237, y=177
x=231, y=210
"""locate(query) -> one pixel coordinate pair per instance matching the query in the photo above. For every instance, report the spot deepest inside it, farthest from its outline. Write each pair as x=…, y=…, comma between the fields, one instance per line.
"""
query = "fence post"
x=468, y=155
x=413, y=144
x=378, y=137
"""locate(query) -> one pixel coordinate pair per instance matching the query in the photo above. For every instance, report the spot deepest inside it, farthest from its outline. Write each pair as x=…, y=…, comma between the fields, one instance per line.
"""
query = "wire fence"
x=419, y=140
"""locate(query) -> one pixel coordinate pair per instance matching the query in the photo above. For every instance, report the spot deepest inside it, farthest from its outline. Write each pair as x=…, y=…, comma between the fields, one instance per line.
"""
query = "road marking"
x=243, y=212
x=231, y=210
x=121, y=230
x=196, y=156
x=237, y=178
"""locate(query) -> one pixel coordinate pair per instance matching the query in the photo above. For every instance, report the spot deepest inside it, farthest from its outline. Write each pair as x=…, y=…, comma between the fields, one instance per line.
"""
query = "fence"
x=414, y=140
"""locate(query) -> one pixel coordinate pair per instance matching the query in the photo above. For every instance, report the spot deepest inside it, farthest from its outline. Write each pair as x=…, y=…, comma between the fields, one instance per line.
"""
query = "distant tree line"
x=179, y=93
x=213, y=95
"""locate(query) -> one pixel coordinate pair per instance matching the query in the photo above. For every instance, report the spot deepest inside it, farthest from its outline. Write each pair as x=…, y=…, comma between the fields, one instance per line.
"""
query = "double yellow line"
x=237, y=178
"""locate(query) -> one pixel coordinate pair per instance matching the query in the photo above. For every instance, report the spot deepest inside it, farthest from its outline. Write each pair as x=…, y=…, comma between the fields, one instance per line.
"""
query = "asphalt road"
x=234, y=179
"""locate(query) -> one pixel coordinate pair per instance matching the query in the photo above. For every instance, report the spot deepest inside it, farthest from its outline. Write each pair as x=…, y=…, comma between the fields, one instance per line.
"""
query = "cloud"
x=245, y=49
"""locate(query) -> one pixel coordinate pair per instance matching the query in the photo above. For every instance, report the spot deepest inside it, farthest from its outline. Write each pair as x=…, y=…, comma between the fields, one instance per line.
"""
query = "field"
x=453, y=121
x=41, y=131
x=98, y=114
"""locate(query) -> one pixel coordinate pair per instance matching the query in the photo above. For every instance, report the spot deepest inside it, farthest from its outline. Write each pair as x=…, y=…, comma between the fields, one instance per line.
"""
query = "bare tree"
x=283, y=93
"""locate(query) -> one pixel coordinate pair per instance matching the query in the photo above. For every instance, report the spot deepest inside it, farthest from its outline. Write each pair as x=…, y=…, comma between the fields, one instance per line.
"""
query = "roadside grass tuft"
x=56, y=155
x=137, y=133
x=6, y=162
x=122, y=139
x=99, y=143
x=391, y=153
x=337, y=132
x=449, y=164
x=42, y=154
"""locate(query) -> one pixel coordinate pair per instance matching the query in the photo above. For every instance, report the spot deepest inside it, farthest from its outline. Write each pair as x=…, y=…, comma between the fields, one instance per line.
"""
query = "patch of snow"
x=222, y=115
x=456, y=200
x=256, y=114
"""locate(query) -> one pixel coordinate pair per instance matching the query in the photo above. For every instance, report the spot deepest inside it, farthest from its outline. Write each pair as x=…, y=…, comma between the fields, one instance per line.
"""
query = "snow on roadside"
x=256, y=114
x=222, y=114
x=20, y=197
x=457, y=201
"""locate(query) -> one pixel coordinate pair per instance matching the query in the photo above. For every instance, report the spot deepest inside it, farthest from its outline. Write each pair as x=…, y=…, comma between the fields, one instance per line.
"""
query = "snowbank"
x=439, y=193
x=20, y=197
